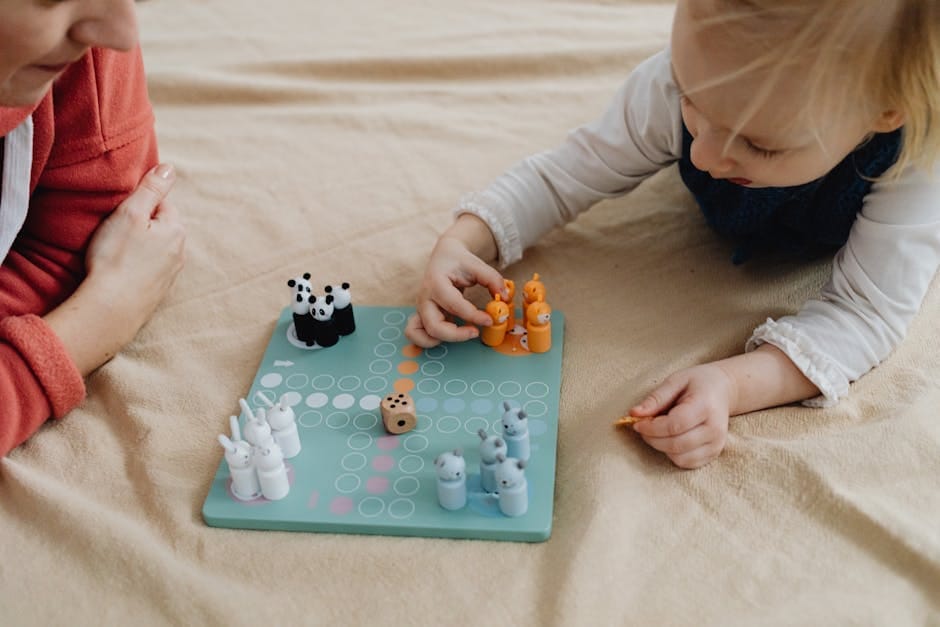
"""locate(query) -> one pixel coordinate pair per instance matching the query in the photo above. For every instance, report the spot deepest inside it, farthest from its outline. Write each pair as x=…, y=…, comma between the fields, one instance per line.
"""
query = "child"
x=87, y=243
x=796, y=124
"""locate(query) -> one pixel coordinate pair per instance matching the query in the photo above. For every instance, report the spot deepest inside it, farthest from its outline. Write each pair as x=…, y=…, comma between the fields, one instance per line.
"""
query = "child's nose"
x=707, y=152
x=111, y=24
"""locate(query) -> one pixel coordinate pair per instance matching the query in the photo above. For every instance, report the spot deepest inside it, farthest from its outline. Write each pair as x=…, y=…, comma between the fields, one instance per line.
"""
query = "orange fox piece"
x=539, y=326
x=499, y=312
x=511, y=303
x=398, y=413
x=531, y=291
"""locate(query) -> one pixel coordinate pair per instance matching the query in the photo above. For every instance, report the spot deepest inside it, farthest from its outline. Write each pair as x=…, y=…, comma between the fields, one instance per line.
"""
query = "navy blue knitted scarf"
x=804, y=220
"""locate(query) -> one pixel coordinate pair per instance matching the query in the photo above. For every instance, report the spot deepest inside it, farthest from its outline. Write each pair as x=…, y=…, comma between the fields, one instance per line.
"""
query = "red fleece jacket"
x=93, y=141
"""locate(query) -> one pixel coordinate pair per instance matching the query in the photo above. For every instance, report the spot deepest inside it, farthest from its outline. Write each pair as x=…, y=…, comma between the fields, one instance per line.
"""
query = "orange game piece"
x=539, y=326
x=531, y=291
x=499, y=312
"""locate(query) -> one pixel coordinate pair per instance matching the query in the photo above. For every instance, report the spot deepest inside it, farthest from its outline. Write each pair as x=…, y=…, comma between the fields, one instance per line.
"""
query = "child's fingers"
x=698, y=457
x=415, y=332
x=452, y=301
x=660, y=399
x=681, y=419
x=436, y=325
x=490, y=278
x=150, y=192
x=694, y=438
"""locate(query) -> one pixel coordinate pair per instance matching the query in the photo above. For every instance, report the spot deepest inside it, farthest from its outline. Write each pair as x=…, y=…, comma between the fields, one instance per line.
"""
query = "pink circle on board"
x=313, y=500
x=388, y=442
x=377, y=485
x=383, y=463
x=341, y=505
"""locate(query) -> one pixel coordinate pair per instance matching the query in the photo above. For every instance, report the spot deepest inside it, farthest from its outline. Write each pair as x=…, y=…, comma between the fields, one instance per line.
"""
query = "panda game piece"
x=451, y=479
x=513, y=486
x=490, y=447
x=301, y=298
x=343, y=315
x=324, y=330
x=516, y=431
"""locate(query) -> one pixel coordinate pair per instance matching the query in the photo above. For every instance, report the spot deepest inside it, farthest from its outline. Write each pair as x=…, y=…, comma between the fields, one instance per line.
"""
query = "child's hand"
x=452, y=268
x=698, y=401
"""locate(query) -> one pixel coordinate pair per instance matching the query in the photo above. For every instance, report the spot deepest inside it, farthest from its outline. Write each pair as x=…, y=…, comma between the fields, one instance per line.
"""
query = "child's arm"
x=692, y=406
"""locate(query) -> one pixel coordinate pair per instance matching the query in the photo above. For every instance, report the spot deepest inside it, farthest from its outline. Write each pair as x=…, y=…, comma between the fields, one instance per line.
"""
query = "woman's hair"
x=882, y=54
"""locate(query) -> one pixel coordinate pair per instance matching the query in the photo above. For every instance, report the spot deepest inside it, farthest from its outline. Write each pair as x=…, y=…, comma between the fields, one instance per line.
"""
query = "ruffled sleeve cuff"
x=817, y=367
x=48, y=359
x=489, y=209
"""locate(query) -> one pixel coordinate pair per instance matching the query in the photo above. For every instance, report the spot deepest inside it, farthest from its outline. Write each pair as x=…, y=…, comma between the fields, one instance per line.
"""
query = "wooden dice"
x=398, y=413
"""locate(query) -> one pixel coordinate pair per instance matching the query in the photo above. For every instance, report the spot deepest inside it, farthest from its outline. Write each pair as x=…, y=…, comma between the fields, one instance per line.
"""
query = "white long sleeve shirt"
x=879, y=278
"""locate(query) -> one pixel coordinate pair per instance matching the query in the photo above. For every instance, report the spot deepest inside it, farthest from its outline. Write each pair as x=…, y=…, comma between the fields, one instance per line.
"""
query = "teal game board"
x=351, y=476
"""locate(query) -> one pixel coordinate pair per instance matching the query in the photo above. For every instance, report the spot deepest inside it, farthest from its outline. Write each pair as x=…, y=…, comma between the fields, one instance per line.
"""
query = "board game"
x=353, y=476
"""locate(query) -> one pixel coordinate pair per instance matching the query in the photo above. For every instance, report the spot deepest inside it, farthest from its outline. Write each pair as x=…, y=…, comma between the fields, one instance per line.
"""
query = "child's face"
x=39, y=38
x=779, y=145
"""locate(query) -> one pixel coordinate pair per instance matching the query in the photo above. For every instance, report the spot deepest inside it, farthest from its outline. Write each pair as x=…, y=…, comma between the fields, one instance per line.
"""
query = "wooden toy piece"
x=238, y=456
x=272, y=473
x=324, y=329
x=301, y=298
x=513, y=487
x=627, y=420
x=539, y=326
x=490, y=447
x=531, y=291
x=515, y=431
x=398, y=413
x=511, y=302
x=451, y=479
x=499, y=312
x=283, y=424
x=343, y=316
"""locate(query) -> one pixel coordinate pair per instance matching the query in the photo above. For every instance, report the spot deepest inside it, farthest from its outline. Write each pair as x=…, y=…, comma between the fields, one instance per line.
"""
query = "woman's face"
x=40, y=38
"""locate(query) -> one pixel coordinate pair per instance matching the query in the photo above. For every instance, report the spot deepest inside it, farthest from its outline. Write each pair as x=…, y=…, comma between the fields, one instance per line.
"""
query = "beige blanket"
x=335, y=136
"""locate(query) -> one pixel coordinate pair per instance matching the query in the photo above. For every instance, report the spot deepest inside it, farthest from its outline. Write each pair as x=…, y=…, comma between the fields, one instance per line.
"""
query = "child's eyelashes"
x=761, y=152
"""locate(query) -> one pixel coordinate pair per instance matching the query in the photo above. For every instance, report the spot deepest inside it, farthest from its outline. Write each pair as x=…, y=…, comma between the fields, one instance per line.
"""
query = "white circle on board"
x=535, y=408
x=390, y=333
x=370, y=402
x=410, y=464
x=337, y=420
x=393, y=317
x=297, y=381
x=267, y=395
x=456, y=387
x=376, y=384
x=364, y=422
x=380, y=366
x=271, y=380
x=436, y=352
x=310, y=419
x=359, y=441
x=347, y=482
x=384, y=349
x=406, y=486
x=509, y=388
x=323, y=382
x=344, y=401
x=483, y=387
x=401, y=508
x=432, y=368
x=292, y=398
x=371, y=506
x=415, y=443
x=537, y=389
x=317, y=400
x=428, y=386
x=475, y=423
x=423, y=423
x=349, y=383
x=448, y=424
x=354, y=461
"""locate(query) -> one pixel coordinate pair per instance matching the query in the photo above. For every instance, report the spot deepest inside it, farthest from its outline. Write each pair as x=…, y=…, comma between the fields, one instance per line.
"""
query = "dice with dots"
x=398, y=413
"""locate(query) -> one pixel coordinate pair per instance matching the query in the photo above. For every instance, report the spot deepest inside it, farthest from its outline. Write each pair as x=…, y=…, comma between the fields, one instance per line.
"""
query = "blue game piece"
x=490, y=447
x=516, y=431
x=451, y=479
x=513, y=488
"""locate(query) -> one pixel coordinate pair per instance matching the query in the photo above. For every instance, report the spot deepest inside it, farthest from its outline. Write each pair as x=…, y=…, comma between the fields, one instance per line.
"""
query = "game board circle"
x=377, y=485
x=410, y=464
x=403, y=385
x=509, y=389
x=454, y=405
x=408, y=504
x=424, y=423
x=267, y=395
x=352, y=466
x=384, y=349
x=317, y=400
x=537, y=389
x=481, y=406
x=410, y=490
x=436, y=352
x=347, y=483
x=535, y=408
x=426, y=403
x=364, y=422
x=323, y=382
x=291, y=398
x=456, y=387
x=373, y=510
x=432, y=368
x=359, y=441
x=337, y=420
x=448, y=424
x=389, y=333
x=483, y=387
x=411, y=351
x=415, y=443
x=376, y=384
x=341, y=505
x=428, y=386
x=349, y=383
x=408, y=367
x=370, y=402
x=310, y=419
x=393, y=317
x=297, y=381
x=475, y=423
x=271, y=380
x=383, y=463
x=380, y=366
x=344, y=401
x=388, y=442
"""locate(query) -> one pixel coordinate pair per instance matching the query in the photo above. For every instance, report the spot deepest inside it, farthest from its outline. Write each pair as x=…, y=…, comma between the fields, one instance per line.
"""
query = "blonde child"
x=801, y=125
x=88, y=245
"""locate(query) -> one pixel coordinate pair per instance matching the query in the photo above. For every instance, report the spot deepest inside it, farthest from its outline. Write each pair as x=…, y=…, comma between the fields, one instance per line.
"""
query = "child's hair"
x=883, y=54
